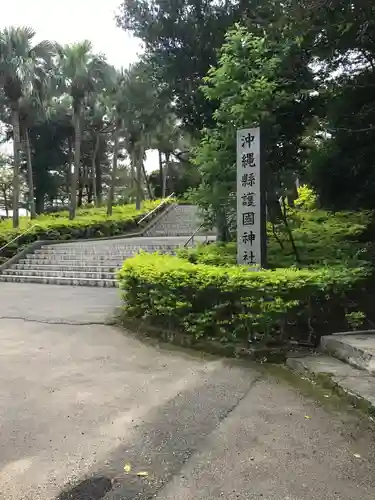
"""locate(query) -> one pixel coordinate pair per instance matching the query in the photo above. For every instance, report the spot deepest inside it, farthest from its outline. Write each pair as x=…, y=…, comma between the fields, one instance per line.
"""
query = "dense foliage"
x=203, y=292
x=320, y=237
x=302, y=71
x=80, y=128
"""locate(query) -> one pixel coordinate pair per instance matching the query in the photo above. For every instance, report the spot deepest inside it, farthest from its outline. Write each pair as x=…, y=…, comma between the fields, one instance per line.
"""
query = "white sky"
x=73, y=21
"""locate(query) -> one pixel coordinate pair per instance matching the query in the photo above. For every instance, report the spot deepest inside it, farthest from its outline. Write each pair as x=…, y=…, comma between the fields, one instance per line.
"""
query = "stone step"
x=338, y=376
x=89, y=258
x=170, y=232
x=357, y=350
x=72, y=262
x=56, y=267
x=106, y=250
x=59, y=281
x=181, y=220
x=66, y=273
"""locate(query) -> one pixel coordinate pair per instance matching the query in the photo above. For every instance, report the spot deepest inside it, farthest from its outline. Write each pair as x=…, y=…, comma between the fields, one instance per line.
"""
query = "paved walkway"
x=80, y=399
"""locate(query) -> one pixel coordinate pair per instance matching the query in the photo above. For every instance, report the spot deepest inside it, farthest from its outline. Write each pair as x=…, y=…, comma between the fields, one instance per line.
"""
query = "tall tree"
x=261, y=81
x=118, y=109
x=98, y=120
x=166, y=139
x=140, y=114
x=22, y=65
x=81, y=74
x=181, y=39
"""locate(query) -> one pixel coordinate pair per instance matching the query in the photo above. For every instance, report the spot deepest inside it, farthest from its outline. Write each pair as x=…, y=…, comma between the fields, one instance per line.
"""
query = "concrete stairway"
x=180, y=220
x=91, y=263
x=94, y=263
x=347, y=362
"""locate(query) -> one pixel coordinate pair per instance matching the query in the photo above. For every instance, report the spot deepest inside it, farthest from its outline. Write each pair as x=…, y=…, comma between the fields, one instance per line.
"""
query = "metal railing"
x=17, y=237
x=191, y=238
x=156, y=208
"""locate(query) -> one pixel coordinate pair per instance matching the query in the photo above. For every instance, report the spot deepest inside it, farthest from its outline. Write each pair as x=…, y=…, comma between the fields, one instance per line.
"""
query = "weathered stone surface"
x=181, y=220
x=353, y=381
x=358, y=349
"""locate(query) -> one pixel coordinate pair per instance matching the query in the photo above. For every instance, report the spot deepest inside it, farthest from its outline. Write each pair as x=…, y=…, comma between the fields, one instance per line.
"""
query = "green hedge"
x=233, y=304
x=89, y=223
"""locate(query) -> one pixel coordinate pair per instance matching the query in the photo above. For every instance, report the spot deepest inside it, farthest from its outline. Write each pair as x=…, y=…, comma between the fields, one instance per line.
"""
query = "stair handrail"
x=164, y=200
x=19, y=236
x=191, y=238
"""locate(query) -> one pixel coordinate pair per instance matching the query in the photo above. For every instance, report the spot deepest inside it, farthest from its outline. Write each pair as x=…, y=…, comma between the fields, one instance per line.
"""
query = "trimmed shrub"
x=232, y=303
x=89, y=223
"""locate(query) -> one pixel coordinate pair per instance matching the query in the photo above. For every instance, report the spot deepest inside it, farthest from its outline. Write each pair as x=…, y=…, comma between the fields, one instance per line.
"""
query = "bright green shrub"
x=307, y=198
x=89, y=223
x=232, y=303
x=215, y=254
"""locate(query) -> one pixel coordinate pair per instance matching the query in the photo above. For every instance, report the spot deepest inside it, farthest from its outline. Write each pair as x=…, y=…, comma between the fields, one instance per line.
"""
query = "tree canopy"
x=303, y=71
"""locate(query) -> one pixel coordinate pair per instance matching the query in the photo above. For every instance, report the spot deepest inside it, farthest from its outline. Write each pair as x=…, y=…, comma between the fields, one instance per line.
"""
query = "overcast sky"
x=72, y=21
x=75, y=20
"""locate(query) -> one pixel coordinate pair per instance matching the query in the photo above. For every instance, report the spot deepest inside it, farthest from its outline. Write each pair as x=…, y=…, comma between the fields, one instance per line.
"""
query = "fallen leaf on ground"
x=142, y=474
x=127, y=467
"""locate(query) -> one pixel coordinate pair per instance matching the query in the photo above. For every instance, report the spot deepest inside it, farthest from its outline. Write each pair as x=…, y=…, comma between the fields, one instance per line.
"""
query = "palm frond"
x=21, y=63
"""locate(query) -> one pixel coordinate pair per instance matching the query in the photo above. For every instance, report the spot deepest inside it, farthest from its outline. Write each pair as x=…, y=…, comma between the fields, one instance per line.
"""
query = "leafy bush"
x=322, y=238
x=89, y=223
x=215, y=254
x=232, y=303
x=307, y=198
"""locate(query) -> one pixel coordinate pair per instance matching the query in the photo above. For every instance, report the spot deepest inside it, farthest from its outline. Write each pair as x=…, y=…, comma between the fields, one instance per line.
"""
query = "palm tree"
x=117, y=103
x=22, y=65
x=166, y=139
x=139, y=118
x=81, y=74
x=30, y=110
x=98, y=113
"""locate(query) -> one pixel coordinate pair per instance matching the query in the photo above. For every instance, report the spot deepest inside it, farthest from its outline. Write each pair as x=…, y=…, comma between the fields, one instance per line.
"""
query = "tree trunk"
x=90, y=194
x=99, y=185
x=114, y=173
x=149, y=190
x=161, y=175
x=6, y=202
x=80, y=195
x=30, y=175
x=39, y=202
x=165, y=177
x=222, y=231
x=139, y=179
x=93, y=169
x=132, y=167
x=77, y=161
x=16, y=167
x=292, y=194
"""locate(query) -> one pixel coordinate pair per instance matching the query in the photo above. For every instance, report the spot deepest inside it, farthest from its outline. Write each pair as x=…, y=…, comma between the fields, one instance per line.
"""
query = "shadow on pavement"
x=94, y=488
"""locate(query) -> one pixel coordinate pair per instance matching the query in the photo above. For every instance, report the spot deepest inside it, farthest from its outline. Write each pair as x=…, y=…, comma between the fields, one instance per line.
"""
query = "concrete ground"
x=79, y=400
